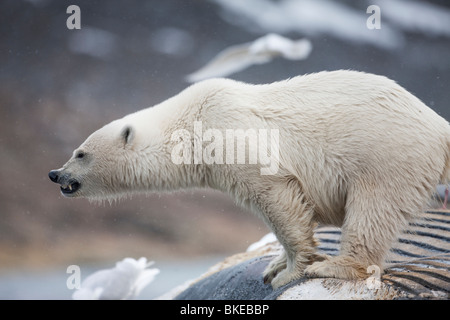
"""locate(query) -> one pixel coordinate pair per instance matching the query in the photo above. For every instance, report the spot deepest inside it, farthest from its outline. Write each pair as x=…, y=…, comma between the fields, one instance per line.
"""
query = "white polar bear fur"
x=356, y=151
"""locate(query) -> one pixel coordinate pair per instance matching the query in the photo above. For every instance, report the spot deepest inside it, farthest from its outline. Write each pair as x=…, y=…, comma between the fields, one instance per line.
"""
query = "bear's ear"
x=127, y=135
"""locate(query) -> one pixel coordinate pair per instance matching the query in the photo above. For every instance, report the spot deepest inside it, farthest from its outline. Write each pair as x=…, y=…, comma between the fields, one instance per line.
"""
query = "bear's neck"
x=179, y=122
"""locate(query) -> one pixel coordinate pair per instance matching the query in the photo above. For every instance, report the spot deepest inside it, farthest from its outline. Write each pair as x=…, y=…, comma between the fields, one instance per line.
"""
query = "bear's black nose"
x=53, y=175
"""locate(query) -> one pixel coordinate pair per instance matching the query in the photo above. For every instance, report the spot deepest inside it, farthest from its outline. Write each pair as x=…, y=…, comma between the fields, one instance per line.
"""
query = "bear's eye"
x=80, y=155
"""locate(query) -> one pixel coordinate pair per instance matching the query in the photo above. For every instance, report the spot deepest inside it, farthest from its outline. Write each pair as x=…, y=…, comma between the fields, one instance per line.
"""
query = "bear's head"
x=109, y=164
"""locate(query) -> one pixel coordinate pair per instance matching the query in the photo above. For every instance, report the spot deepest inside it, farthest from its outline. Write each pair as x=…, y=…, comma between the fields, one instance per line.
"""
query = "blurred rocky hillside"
x=59, y=85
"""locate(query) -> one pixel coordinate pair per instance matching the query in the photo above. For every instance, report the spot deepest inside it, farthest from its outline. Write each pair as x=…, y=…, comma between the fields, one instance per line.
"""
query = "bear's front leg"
x=278, y=264
x=290, y=217
x=275, y=266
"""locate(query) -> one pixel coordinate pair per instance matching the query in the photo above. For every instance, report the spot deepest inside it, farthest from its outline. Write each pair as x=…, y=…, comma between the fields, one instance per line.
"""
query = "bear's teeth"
x=70, y=187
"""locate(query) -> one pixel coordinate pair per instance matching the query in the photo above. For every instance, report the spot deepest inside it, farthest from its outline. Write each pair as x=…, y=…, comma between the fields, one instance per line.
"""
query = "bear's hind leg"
x=372, y=222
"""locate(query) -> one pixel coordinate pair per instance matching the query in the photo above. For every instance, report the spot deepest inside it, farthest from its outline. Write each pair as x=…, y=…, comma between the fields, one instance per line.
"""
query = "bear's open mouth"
x=71, y=187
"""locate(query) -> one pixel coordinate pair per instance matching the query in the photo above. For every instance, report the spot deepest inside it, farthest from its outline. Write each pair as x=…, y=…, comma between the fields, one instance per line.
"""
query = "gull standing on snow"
x=125, y=281
x=262, y=50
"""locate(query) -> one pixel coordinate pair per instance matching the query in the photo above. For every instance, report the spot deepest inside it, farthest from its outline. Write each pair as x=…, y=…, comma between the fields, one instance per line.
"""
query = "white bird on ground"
x=262, y=50
x=123, y=282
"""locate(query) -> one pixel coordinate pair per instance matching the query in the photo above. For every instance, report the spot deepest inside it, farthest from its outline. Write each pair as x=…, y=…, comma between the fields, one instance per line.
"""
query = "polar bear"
x=351, y=149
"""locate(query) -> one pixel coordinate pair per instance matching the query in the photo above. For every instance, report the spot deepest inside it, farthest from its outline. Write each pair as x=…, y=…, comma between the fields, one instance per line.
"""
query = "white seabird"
x=241, y=56
x=123, y=282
